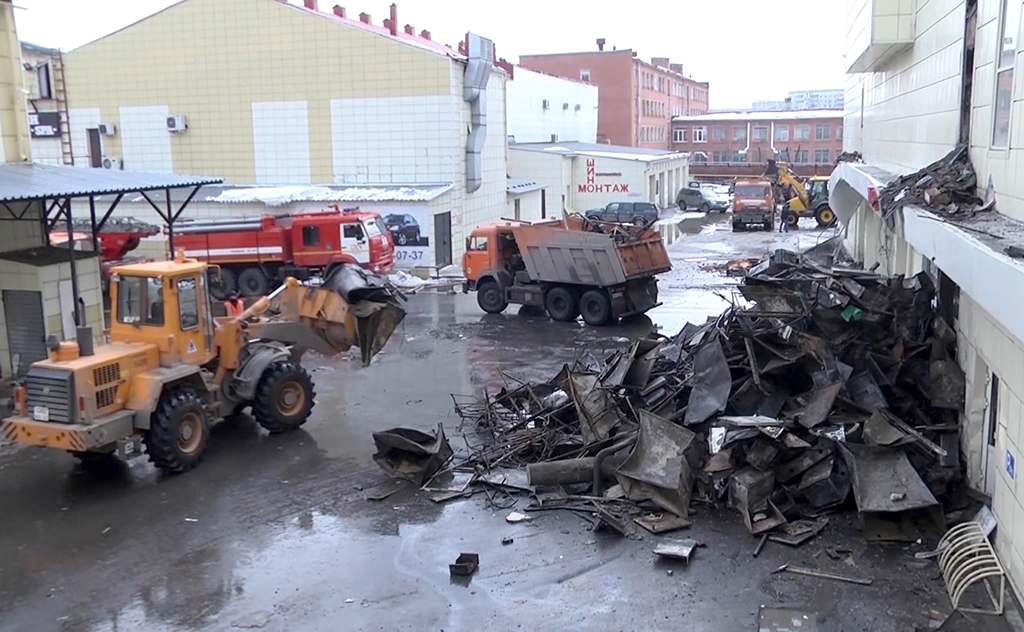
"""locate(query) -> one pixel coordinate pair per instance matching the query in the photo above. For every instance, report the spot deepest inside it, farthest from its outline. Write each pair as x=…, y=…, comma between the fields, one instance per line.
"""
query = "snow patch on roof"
x=279, y=196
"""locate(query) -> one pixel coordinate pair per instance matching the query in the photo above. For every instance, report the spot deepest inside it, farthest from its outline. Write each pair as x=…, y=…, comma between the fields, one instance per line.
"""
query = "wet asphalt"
x=277, y=533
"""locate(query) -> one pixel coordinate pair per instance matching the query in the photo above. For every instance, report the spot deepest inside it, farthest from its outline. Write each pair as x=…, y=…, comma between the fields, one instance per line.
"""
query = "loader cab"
x=167, y=304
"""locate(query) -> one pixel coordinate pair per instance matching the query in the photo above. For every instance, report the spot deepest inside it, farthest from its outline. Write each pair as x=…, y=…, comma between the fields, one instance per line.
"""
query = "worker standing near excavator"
x=233, y=306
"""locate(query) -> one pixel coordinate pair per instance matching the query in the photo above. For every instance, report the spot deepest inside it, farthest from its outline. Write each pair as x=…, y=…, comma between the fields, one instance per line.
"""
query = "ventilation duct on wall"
x=478, y=71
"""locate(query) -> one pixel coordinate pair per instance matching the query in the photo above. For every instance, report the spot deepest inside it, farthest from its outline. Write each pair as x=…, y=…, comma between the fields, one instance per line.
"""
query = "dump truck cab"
x=491, y=255
x=753, y=204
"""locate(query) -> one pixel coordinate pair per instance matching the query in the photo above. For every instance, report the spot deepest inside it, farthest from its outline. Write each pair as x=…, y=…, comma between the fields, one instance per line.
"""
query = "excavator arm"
x=783, y=178
x=353, y=307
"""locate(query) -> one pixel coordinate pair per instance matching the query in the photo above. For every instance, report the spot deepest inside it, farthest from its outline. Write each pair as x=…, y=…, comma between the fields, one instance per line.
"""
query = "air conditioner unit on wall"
x=565, y=106
x=113, y=163
x=547, y=104
x=107, y=129
x=176, y=123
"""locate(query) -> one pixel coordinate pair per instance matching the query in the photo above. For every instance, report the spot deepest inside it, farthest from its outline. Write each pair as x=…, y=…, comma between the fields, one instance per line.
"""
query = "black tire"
x=562, y=304
x=284, y=397
x=705, y=208
x=768, y=225
x=593, y=219
x=179, y=431
x=490, y=298
x=223, y=284
x=793, y=219
x=402, y=239
x=596, y=308
x=252, y=282
x=824, y=216
x=416, y=237
x=682, y=205
x=639, y=221
x=737, y=227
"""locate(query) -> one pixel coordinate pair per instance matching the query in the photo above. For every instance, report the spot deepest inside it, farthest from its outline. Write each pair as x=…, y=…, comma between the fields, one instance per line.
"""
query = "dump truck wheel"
x=252, y=282
x=824, y=216
x=490, y=297
x=561, y=304
x=178, y=432
x=596, y=308
x=284, y=397
x=223, y=284
x=768, y=225
x=737, y=227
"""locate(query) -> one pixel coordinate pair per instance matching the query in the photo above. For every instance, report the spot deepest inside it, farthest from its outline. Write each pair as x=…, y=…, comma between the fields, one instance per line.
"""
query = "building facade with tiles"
x=924, y=78
x=729, y=144
x=262, y=92
x=636, y=99
x=545, y=108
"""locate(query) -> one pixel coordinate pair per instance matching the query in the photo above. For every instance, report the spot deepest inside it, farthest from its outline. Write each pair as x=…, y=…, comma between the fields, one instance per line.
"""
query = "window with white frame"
x=585, y=75
x=839, y=132
x=718, y=133
x=699, y=157
x=739, y=156
x=760, y=133
x=782, y=132
x=1009, y=25
x=700, y=134
x=821, y=156
x=680, y=135
x=719, y=156
x=822, y=132
x=801, y=156
x=802, y=132
x=739, y=133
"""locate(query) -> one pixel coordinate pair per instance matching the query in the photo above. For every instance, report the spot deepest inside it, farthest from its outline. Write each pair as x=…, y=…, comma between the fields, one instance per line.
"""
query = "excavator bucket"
x=353, y=307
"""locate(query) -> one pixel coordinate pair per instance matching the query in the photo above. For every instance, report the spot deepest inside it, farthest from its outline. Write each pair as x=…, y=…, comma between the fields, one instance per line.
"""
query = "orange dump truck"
x=570, y=268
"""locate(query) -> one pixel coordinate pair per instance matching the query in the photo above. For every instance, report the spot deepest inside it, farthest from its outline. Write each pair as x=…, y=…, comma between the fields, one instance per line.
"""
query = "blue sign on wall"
x=1011, y=464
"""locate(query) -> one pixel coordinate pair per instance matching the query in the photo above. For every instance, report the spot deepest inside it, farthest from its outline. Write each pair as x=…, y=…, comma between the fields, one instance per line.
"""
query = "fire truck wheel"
x=596, y=308
x=178, y=432
x=221, y=284
x=562, y=304
x=252, y=282
x=490, y=298
x=284, y=397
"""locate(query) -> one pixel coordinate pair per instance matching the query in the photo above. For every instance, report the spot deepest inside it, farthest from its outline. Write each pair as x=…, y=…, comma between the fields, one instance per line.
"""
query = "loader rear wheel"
x=252, y=282
x=596, y=308
x=562, y=305
x=824, y=216
x=178, y=432
x=284, y=397
x=223, y=284
x=490, y=298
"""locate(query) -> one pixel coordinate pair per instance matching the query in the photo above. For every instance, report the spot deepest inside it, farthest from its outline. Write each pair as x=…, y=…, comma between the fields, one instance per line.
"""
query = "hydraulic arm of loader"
x=352, y=307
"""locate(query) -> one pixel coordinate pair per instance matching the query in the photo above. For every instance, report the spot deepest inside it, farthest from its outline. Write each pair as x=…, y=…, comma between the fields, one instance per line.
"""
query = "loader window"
x=140, y=300
x=188, y=303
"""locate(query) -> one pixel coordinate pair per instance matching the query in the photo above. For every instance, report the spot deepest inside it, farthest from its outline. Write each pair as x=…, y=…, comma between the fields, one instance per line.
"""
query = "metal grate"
x=105, y=397
x=106, y=374
x=53, y=390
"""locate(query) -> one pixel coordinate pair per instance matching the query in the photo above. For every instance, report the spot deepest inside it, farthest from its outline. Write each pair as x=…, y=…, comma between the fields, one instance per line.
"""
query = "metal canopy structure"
x=50, y=188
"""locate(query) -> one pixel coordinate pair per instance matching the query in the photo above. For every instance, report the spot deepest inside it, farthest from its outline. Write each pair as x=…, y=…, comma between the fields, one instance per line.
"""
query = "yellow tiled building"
x=262, y=92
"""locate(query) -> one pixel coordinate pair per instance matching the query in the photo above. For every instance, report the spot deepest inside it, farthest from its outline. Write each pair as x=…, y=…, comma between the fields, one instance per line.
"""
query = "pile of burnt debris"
x=828, y=388
x=948, y=186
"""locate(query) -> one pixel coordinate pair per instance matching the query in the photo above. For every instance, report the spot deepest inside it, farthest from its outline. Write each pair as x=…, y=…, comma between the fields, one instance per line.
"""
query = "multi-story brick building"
x=729, y=144
x=636, y=99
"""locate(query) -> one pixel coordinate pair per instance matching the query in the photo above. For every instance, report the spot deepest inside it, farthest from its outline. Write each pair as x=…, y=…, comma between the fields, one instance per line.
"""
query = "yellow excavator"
x=808, y=199
x=171, y=369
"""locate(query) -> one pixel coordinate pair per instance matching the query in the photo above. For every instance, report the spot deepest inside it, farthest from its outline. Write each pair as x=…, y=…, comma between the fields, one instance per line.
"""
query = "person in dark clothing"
x=784, y=223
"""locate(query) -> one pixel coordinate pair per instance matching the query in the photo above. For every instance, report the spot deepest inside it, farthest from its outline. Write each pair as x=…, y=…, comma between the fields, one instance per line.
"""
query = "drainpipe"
x=480, y=60
x=639, y=125
x=771, y=141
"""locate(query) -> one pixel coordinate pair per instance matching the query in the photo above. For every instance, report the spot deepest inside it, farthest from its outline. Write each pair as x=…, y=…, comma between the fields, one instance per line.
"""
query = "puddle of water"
x=688, y=305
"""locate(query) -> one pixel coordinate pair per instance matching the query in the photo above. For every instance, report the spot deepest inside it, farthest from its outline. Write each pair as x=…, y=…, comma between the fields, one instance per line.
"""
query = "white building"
x=916, y=88
x=581, y=176
x=830, y=99
x=543, y=108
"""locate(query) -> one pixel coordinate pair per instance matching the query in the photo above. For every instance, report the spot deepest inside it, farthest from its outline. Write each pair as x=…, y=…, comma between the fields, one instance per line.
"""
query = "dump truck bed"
x=558, y=255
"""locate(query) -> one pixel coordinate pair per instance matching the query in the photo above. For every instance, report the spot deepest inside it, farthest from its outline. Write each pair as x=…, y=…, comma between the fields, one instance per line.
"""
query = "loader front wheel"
x=284, y=397
x=179, y=431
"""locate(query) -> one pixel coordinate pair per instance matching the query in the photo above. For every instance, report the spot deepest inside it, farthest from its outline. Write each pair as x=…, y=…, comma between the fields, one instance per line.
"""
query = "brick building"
x=636, y=99
x=728, y=144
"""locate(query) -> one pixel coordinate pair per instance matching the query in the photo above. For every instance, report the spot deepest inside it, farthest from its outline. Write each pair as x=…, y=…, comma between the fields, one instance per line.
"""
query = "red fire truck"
x=256, y=253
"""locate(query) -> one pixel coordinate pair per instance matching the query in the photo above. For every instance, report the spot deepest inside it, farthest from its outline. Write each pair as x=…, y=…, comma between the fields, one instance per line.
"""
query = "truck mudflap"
x=637, y=297
x=73, y=437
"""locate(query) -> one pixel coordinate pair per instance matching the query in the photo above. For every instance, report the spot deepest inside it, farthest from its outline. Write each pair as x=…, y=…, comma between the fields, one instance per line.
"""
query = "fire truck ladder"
x=60, y=95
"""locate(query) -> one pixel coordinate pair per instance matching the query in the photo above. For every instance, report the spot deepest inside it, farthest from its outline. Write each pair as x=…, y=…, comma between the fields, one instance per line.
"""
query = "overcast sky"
x=749, y=50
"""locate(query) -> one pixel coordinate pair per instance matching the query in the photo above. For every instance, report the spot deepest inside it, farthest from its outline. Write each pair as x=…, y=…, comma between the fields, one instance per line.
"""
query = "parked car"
x=403, y=227
x=637, y=213
x=698, y=199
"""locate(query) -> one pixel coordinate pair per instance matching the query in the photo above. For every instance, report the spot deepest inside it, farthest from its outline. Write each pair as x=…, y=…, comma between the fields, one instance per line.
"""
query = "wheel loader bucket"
x=353, y=307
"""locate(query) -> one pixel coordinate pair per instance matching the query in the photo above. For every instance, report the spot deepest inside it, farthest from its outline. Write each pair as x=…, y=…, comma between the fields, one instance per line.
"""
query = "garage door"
x=26, y=334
